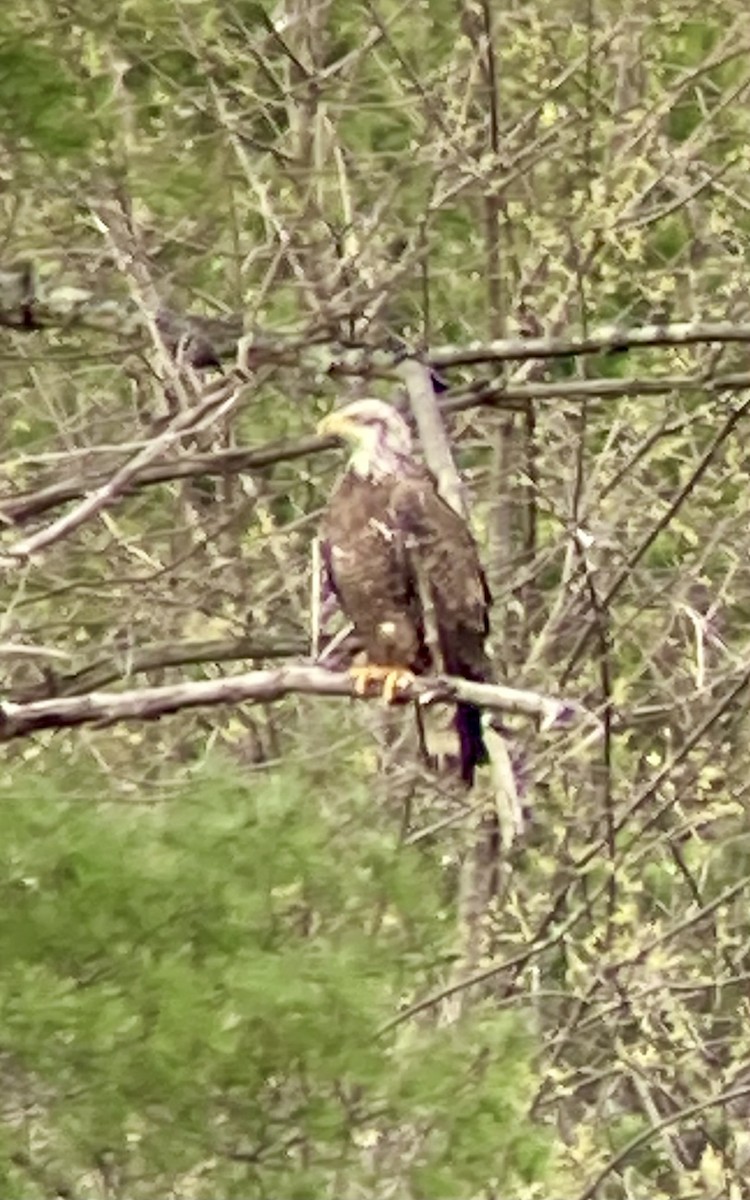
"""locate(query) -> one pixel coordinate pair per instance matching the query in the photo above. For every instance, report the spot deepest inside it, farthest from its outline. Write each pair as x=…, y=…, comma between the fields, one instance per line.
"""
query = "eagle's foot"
x=394, y=682
x=392, y=678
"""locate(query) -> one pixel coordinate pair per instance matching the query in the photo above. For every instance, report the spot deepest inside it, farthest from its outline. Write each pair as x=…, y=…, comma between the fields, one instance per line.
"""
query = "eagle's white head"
x=378, y=435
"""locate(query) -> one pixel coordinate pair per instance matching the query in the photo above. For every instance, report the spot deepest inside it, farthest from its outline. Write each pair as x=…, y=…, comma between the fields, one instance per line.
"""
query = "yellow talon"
x=394, y=682
x=392, y=679
x=362, y=676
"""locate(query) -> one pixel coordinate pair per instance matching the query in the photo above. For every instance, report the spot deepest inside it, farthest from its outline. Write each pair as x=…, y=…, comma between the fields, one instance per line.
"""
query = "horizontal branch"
x=148, y=704
x=608, y=338
x=24, y=506
x=128, y=662
x=29, y=301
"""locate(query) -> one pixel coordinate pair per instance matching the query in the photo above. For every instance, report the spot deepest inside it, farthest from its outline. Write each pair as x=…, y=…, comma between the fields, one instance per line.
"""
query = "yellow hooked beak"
x=337, y=425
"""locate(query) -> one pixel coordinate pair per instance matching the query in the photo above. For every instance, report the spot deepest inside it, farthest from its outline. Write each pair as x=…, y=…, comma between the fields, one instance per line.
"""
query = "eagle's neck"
x=366, y=464
x=377, y=457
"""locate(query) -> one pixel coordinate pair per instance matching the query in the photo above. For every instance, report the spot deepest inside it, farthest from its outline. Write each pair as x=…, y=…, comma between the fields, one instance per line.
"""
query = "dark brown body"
x=389, y=541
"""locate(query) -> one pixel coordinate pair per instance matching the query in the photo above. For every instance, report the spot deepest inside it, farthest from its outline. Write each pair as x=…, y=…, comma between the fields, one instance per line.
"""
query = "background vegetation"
x=256, y=950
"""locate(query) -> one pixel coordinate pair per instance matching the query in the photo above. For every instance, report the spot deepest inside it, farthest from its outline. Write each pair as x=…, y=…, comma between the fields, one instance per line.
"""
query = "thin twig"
x=217, y=403
x=645, y=1136
x=315, y=588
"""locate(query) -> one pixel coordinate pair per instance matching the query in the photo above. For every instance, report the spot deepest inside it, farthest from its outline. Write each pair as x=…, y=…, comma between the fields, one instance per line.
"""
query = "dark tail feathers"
x=473, y=750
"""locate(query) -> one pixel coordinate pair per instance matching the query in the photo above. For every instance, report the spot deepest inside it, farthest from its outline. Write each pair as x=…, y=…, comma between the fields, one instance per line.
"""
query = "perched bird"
x=404, y=566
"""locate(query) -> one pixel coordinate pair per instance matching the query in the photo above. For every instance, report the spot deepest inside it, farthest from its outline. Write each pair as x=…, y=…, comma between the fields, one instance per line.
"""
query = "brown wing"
x=441, y=548
x=385, y=540
x=385, y=537
x=365, y=556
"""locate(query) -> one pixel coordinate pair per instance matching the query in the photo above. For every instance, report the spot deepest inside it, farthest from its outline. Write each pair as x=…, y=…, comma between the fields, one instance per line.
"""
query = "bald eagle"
x=391, y=548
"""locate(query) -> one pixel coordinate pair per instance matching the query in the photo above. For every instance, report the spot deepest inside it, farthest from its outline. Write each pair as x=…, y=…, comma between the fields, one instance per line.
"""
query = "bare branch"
x=24, y=506
x=148, y=704
x=216, y=404
x=432, y=436
x=609, y=337
x=138, y=660
x=30, y=303
x=641, y=1139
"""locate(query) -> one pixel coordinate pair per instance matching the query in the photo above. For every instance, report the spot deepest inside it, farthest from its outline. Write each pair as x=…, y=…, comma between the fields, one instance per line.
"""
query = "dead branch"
x=254, y=687
x=129, y=662
x=24, y=506
x=215, y=404
x=609, y=337
x=28, y=303
x=432, y=436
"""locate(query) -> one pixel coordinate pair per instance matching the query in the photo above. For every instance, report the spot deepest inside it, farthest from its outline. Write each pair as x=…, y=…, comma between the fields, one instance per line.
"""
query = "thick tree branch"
x=26, y=505
x=28, y=302
x=432, y=436
x=607, y=338
x=148, y=704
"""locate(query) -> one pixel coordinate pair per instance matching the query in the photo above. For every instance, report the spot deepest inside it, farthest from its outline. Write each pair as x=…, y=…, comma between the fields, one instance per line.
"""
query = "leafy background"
x=211, y=923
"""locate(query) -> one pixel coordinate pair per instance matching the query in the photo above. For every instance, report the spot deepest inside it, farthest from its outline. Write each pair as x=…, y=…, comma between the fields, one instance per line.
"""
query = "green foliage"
x=40, y=99
x=161, y=983
x=198, y=964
